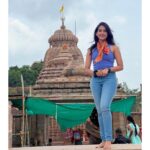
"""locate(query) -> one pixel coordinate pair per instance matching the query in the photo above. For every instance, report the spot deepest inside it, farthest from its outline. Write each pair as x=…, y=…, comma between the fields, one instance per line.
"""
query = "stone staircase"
x=82, y=147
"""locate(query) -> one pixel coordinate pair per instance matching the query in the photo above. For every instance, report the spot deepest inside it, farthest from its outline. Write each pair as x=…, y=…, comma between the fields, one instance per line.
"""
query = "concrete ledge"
x=82, y=147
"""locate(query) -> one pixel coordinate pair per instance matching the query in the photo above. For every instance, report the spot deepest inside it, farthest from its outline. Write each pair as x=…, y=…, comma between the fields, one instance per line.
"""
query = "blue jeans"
x=103, y=89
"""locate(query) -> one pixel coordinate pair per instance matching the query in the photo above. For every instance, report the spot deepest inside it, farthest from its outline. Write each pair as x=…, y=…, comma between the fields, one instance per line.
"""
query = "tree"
x=37, y=67
x=124, y=87
x=14, y=76
x=30, y=74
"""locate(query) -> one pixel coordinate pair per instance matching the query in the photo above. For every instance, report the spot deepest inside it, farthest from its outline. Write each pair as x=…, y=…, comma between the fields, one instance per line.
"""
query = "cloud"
x=25, y=42
x=86, y=34
x=118, y=20
x=19, y=35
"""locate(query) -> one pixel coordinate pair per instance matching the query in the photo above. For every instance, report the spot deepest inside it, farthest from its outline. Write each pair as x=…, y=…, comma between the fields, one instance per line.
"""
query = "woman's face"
x=101, y=33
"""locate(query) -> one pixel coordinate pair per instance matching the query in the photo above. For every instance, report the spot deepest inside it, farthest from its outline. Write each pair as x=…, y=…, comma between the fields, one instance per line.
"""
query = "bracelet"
x=94, y=73
x=109, y=70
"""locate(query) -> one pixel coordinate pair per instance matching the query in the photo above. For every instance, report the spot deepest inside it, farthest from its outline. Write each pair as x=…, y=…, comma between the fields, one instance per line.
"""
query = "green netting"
x=40, y=106
x=124, y=105
x=70, y=115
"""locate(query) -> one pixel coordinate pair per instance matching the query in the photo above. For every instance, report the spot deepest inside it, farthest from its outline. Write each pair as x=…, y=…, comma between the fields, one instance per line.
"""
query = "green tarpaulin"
x=124, y=105
x=39, y=106
x=70, y=115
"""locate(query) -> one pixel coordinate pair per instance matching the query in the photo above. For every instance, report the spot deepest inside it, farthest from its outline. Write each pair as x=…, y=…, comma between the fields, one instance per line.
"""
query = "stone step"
x=53, y=69
x=82, y=147
x=49, y=75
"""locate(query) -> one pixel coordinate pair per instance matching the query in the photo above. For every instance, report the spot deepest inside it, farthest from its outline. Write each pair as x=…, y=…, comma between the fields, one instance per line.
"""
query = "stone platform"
x=82, y=147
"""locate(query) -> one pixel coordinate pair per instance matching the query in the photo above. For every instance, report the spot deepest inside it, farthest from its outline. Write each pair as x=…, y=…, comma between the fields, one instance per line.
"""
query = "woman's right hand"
x=103, y=72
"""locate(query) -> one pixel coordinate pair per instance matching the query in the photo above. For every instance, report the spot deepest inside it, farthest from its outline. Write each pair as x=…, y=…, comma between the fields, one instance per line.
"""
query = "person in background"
x=140, y=134
x=49, y=142
x=92, y=128
x=32, y=142
x=103, y=81
x=68, y=136
x=120, y=139
x=77, y=136
x=133, y=131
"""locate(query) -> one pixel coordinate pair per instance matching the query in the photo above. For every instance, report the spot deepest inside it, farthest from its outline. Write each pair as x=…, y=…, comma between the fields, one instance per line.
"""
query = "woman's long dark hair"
x=130, y=119
x=110, y=38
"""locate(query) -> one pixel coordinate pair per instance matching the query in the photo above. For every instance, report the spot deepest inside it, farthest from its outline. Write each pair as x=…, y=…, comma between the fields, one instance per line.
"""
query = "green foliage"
x=124, y=87
x=14, y=76
x=30, y=74
x=36, y=67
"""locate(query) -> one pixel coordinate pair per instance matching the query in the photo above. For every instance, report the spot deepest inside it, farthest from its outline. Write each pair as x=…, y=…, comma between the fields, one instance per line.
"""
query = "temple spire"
x=62, y=19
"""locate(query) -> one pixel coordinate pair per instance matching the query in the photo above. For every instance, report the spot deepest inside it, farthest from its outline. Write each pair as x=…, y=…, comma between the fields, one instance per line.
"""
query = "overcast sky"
x=32, y=22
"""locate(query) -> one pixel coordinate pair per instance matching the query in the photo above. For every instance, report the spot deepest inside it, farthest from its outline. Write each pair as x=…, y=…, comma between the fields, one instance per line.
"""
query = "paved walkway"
x=82, y=147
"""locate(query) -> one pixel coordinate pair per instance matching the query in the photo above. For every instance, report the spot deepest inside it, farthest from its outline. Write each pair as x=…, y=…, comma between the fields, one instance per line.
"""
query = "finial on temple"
x=63, y=19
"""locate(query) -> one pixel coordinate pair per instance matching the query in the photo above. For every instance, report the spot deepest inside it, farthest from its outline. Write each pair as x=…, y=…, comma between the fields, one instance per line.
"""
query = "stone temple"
x=61, y=77
x=61, y=80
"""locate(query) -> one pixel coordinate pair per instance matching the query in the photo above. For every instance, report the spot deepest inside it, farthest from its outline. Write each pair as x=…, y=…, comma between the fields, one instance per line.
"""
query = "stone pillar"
x=10, y=125
x=45, y=130
x=42, y=130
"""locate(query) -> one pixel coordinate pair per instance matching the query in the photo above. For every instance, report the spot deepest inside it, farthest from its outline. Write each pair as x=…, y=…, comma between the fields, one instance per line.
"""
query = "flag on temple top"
x=61, y=9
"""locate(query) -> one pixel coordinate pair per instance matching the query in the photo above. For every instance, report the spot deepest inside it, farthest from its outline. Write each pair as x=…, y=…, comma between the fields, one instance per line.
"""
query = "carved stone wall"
x=58, y=78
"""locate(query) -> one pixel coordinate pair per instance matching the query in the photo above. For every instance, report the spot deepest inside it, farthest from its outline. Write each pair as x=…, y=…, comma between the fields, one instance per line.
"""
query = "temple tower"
x=60, y=78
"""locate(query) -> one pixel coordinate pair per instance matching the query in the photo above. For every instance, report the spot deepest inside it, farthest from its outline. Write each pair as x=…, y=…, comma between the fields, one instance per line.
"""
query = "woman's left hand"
x=104, y=72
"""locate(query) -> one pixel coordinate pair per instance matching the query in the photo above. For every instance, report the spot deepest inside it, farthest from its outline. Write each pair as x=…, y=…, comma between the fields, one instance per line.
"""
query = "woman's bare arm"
x=88, y=60
x=119, y=61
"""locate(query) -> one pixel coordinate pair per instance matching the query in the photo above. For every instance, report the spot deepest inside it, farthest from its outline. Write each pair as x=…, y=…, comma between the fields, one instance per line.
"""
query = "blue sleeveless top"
x=106, y=62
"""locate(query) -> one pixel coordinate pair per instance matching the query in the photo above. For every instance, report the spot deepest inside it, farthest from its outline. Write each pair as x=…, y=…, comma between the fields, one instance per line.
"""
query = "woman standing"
x=133, y=131
x=103, y=83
